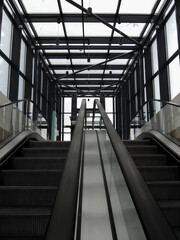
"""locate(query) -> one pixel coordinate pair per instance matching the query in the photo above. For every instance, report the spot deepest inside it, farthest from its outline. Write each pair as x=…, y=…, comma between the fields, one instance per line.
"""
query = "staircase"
x=161, y=172
x=28, y=186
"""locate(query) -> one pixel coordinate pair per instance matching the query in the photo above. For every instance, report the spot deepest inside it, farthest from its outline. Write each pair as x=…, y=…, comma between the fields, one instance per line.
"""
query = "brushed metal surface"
x=95, y=216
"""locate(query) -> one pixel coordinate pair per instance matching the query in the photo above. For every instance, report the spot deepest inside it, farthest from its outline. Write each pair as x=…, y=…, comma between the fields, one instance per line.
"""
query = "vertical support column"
x=163, y=75
x=73, y=113
x=36, y=73
x=177, y=3
x=14, y=78
x=1, y=13
x=141, y=78
x=102, y=100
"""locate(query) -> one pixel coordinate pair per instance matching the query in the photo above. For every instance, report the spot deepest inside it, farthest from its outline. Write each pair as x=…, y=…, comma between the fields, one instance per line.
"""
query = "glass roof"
x=72, y=42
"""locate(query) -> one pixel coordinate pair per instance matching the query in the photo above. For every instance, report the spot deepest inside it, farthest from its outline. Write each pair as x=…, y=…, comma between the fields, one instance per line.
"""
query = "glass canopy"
x=70, y=40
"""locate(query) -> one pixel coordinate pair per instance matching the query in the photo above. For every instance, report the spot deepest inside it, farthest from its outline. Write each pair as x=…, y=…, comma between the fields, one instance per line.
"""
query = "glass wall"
x=6, y=35
x=66, y=119
x=172, y=47
x=4, y=76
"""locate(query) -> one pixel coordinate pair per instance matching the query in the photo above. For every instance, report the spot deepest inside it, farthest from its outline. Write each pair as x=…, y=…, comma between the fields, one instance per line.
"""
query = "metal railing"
x=145, y=204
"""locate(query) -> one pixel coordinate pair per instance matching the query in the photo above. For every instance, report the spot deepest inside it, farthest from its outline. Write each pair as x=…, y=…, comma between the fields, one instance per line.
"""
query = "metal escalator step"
x=149, y=149
x=43, y=152
x=137, y=142
x=23, y=222
x=30, y=177
x=27, y=196
x=164, y=190
x=48, y=144
x=160, y=173
x=171, y=210
x=36, y=163
x=150, y=159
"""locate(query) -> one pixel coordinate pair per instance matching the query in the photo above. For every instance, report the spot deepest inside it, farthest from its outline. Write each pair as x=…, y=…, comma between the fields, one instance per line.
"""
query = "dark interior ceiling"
x=88, y=45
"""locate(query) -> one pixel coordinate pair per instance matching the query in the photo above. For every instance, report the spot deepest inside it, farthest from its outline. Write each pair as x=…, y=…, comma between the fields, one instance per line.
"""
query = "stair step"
x=24, y=222
x=36, y=163
x=48, y=144
x=137, y=142
x=164, y=190
x=160, y=173
x=30, y=177
x=27, y=195
x=171, y=211
x=149, y=149
x=43, y=152
x=150, y=159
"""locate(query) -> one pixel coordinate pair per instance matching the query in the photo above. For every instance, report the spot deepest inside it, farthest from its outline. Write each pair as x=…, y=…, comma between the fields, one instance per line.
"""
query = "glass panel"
x=174, y=73
x=138, y=6
x=118, y=61
x=89, y=101
x=154, y=53
x=4, y=76
x=6, y=33
x=49, y=29
x=97, y=29
x=130, y=29
x=67, y=104
x=171, y=35
x=23, y=57
x=67, y=137
x=41, y=6
x=67, y=120
x=109, y=104
x=21, y=88
x=156, y=88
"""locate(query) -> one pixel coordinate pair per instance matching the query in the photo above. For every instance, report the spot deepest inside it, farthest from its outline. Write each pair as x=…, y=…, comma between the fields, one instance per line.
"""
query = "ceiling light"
x=57, y=41
x=120, y=41
x=88, y=59
x=89, y=11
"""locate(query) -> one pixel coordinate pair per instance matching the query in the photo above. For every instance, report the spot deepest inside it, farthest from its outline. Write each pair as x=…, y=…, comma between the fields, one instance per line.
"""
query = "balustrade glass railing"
x=17, y=117
x=161, y=116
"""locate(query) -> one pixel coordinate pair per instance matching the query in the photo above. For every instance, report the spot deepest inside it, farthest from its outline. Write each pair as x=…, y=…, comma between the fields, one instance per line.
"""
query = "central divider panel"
x=95, y=216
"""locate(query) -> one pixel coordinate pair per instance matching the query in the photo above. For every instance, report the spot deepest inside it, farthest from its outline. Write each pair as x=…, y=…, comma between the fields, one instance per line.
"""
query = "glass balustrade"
x=18, y=117
x=157, y=115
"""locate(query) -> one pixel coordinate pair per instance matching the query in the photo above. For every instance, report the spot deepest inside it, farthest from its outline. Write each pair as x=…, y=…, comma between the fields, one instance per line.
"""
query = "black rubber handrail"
x=62, y=222
x=154, y=223
x=154, y=100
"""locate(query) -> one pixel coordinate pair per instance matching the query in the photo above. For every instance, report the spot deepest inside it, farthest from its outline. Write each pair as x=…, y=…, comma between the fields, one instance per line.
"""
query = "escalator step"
x=137, y=142
x=160, y=173
x=149, y=149
x=48, y=144
x=164, y=190
x=43, y=152
x=24, y=222
x=36, y=163
x=150, y=159
x=30, y=177
x=171, y=210
x=27, y=196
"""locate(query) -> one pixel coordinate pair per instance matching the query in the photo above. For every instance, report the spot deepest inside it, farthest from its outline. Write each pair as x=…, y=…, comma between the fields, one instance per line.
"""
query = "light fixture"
x=120, y=41
x=89, y=11
x=110, y=72
x=88, y=59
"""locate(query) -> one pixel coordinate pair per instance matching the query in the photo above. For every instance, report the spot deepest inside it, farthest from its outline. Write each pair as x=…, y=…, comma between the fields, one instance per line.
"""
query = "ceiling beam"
x=86, y=47
x=90, y=82
x=89, y=76
x=79, y=40
x=78, y=67
x=77, y=18
x=82, y=56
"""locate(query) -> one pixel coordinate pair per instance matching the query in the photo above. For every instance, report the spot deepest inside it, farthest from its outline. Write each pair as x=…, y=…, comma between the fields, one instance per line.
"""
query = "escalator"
x=90, y=189
x=28, y=186
x=161, y=172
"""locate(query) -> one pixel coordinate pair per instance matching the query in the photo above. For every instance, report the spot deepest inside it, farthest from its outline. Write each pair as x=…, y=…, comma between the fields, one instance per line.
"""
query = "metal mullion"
x=112, y=33
x=65, y=34
x=104, y=22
